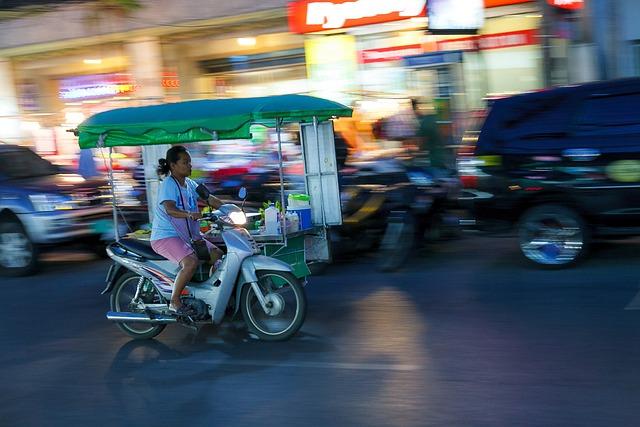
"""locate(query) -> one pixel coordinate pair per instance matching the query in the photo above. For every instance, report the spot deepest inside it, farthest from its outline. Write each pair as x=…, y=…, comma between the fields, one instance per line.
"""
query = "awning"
x=201, y=120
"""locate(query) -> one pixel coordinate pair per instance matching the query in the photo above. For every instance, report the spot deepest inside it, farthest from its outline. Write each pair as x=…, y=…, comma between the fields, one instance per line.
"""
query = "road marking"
x=308, y=365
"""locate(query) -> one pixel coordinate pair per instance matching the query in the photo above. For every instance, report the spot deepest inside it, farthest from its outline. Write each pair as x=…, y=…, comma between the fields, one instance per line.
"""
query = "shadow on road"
x=199, y=360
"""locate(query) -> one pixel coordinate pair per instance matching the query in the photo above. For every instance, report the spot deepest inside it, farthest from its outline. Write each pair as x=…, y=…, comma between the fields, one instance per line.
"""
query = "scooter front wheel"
x=286, y=306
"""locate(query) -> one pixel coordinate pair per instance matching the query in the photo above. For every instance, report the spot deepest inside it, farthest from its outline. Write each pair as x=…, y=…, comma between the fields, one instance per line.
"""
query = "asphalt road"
x=466, y=335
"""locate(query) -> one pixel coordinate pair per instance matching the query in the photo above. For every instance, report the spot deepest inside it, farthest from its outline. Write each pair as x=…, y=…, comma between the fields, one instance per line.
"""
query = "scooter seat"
x=140, y=247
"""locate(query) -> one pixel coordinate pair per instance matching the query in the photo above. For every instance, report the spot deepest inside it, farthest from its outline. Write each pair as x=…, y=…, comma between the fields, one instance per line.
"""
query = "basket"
x=293, y=254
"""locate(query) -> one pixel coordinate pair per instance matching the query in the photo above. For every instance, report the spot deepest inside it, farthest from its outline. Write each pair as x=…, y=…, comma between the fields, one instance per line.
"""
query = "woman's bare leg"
x=216, y=254
x=189, y=265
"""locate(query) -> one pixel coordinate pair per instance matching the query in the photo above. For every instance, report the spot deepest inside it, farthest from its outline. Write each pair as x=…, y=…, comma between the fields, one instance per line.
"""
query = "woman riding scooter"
x=175, y=222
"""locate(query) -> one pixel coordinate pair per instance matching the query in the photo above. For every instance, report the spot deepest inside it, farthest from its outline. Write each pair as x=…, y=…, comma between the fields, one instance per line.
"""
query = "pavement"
x=468, y=334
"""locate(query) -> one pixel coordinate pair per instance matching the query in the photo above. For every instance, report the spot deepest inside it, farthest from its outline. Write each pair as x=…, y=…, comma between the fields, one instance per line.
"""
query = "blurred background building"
x=61, y=62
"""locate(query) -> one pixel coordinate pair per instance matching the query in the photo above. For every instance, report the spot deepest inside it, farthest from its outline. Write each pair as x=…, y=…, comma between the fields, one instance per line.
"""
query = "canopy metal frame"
x=170, y=124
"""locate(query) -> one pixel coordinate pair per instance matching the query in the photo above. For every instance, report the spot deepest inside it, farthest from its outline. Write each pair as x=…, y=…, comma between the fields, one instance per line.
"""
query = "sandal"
x=183, y=310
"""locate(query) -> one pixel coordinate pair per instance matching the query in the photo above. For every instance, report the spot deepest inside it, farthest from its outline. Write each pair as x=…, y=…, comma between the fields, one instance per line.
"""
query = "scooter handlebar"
x=223, y=215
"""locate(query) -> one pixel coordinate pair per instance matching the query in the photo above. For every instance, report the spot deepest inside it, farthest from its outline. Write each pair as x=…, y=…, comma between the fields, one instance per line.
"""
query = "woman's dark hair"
x=172, y=156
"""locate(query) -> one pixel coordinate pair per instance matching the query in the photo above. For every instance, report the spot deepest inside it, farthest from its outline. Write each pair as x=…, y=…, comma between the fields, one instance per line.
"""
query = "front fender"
x=248, y=272
x=260, y=262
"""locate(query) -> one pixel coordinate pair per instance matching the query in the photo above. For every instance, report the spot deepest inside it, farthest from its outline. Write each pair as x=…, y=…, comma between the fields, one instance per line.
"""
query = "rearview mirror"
x=203, y=192
x=242, y=194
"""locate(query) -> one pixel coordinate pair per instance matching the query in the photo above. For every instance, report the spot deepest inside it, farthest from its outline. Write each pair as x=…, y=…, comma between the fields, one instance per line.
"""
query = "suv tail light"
x=469, y=181
x=469, y=171
x=467, y=163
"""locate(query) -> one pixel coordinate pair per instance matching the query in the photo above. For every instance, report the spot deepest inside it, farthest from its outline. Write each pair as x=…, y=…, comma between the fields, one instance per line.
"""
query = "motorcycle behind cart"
x=262, y=274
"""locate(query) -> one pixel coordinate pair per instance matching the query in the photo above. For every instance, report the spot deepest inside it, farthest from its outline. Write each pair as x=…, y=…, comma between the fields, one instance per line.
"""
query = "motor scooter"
x=419, y=211
x=271, y=299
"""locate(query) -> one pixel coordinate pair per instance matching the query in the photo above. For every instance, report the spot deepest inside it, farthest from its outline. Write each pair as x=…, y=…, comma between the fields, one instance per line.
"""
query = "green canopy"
x=201, y=120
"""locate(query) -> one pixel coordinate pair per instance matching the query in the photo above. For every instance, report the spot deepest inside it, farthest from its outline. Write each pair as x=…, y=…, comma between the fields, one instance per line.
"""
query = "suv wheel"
x=18, y=255
x=553, y=236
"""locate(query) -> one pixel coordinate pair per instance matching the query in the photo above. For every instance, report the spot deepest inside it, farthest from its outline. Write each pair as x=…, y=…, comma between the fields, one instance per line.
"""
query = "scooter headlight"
x=238, y=218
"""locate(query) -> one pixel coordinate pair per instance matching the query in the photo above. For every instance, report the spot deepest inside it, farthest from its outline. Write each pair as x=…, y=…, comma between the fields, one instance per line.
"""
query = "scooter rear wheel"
x=287, y=303
x=121, y=299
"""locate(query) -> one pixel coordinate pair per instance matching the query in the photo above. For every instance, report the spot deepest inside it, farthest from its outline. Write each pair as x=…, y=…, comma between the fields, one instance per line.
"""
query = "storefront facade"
x=345, y=50
x=504, y=57
x=60, y=75
x=378, y=60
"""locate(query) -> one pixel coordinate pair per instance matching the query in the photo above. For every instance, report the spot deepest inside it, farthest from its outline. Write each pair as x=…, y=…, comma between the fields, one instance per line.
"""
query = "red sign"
x=511, y=39
x=394, y=53
x=308, y=16
x=567, y=4
x=491, y=41
x=497, y=3
x=466, y=43
x=170, y=80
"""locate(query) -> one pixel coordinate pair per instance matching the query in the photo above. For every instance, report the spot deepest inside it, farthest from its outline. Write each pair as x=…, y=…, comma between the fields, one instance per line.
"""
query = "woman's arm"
x=172, y=210
x=214, y=202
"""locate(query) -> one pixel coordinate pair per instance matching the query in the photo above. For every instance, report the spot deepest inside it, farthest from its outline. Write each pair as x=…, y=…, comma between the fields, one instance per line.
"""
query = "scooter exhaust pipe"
x=122, y=316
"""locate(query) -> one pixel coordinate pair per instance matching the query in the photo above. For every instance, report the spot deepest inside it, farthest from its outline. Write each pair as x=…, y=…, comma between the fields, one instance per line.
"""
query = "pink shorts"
x=175, y=249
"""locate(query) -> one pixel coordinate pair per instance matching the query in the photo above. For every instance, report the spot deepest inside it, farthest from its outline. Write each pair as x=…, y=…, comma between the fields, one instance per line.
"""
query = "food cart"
x=226, y=119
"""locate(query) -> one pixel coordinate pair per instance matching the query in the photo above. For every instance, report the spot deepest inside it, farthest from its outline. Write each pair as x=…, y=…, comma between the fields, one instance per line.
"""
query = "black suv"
x=561, y=166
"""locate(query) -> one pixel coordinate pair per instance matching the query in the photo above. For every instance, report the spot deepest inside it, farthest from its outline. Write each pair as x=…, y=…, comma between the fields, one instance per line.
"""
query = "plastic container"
x=271, y=223
x=295, y=201
x=292, y=221
x=304, y=216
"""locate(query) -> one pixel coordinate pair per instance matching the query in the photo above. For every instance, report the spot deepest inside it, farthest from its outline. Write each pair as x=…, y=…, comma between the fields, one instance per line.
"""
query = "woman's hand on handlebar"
x=194, y=215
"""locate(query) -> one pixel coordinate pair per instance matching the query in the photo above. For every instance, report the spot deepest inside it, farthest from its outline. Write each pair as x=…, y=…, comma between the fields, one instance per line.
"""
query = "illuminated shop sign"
x=491, y=41
x=511, y=39
x=455, y=16
x=484, y=42
x=498, y=3
x=389, y=53
x=567, y=4
x=95, y=86
x=170, y=81
x=307, y=16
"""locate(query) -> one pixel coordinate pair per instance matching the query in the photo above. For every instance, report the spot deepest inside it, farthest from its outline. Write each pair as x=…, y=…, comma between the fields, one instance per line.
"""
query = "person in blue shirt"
x=86, y=164
x=175, y=210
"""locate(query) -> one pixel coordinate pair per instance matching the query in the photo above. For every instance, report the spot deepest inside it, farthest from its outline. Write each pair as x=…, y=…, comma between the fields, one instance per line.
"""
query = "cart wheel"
x=318, y=268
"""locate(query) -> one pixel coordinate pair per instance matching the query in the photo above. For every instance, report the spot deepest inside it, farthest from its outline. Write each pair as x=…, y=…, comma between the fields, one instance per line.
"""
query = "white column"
x=9, y=113
x=145, y=64
x=177, y=56
x=150, y=156
x=145, y=58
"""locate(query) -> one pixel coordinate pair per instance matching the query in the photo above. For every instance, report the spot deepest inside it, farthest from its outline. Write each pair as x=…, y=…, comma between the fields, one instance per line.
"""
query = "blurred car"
x=560, y=166
x=44, y=206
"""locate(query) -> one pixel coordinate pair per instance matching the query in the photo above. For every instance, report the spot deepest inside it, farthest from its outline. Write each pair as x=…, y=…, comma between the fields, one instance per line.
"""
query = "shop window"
x=241, y=63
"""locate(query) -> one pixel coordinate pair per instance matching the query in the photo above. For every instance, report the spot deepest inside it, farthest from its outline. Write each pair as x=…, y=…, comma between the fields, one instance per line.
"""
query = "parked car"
x=560, y=166
x=44, y=206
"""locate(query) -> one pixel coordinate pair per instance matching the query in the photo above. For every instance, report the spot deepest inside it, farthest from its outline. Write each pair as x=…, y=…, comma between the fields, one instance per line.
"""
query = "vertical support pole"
x=113, y=197
x=283, y=227
x=315, y=130
x=546, y=30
